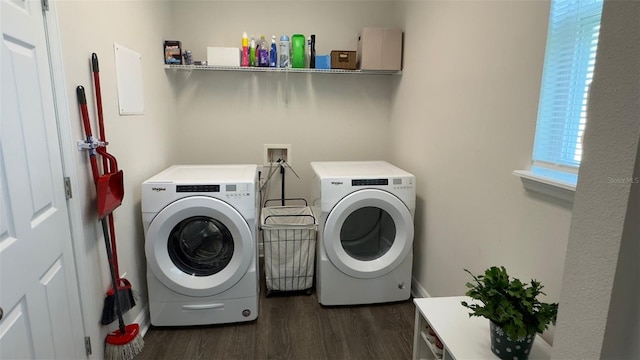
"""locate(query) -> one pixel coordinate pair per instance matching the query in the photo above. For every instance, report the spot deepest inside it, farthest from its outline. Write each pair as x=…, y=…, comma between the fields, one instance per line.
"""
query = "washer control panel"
x=236, y=190
x=229, y=190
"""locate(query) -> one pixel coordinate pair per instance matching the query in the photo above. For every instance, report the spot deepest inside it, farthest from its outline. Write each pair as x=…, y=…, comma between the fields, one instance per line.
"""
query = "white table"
x=463, y=337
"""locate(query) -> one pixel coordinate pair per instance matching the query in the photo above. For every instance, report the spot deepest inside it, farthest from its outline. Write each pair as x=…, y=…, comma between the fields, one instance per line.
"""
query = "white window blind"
x=569, y=61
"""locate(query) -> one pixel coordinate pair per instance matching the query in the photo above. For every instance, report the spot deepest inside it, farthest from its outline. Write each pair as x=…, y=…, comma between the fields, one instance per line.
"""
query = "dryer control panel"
x=369, y=182
x=197, y=188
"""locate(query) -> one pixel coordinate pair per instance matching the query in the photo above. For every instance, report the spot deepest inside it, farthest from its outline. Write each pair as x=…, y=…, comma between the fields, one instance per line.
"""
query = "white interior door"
x=38, y=288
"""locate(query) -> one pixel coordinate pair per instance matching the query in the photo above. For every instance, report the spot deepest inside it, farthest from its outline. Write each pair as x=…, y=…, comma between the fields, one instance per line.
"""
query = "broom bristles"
x=127, y=299
x=118, y=347
x=124, y=352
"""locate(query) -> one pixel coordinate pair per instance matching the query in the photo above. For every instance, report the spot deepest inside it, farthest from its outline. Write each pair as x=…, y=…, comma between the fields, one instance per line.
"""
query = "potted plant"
x=513, y=308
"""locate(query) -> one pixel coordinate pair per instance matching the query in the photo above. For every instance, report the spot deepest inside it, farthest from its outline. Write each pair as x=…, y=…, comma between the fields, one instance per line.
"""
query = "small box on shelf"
x=323, y=62
x=343, y=59
x=223, y=56
x=172, y=52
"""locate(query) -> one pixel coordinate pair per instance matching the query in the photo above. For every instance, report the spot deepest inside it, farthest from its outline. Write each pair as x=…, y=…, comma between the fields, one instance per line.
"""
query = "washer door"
x=368, y=233
x=199, y=246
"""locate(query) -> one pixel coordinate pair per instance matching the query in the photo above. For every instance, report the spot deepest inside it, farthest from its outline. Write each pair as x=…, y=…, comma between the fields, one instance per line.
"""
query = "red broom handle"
x=82, y=100
x=105, y=162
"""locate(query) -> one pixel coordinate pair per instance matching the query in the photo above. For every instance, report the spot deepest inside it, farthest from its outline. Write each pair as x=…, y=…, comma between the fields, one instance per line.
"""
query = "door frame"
x=66, y=140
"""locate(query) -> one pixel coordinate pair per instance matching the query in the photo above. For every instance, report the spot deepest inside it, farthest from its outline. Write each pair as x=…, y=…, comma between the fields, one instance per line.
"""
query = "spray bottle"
x=273, y=53
x=245, y=50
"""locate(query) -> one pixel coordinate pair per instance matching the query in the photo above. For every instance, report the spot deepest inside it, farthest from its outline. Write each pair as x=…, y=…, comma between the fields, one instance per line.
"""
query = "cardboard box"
x=380, y=49
x=343, y=59
x=223, y=56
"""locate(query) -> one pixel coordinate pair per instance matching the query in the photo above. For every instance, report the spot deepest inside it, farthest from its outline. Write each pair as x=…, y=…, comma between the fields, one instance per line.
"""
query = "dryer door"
x=199, y=246
x=368, y=233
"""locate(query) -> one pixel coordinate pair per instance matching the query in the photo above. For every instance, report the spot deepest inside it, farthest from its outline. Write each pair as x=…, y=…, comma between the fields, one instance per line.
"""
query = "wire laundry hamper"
x=289, y=235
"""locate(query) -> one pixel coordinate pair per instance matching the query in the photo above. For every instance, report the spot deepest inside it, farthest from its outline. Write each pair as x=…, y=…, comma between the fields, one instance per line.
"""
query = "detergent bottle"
x=245, y=50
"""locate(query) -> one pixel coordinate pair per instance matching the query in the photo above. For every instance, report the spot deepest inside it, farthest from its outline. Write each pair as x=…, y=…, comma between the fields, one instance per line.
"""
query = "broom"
x=126, y=342
x=126, y=295
x=127, y=298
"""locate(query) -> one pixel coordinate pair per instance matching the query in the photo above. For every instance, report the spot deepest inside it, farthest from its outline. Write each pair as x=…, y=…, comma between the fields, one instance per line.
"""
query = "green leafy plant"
x=511, y=304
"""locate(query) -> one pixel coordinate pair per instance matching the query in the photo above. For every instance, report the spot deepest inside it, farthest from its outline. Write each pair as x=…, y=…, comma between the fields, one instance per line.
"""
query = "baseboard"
x=143, y=320
x=417, y=290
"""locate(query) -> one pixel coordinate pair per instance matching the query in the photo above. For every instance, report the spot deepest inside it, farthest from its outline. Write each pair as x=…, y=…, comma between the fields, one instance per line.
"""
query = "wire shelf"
x=282, y=70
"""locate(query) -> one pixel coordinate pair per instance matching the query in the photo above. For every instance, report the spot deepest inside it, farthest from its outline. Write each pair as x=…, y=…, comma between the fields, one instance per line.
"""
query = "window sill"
x=548, y=186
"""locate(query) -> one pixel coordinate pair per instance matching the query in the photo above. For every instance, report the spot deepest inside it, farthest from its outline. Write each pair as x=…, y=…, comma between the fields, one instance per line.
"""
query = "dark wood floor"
x=294, y=327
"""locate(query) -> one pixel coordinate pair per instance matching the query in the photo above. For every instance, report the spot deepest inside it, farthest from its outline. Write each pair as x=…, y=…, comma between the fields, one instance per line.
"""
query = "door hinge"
x=67, y=187
x=45, y=5
x=87, y=345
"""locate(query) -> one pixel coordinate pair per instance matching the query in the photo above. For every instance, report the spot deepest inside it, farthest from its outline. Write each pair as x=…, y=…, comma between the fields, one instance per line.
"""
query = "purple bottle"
x=263, y=53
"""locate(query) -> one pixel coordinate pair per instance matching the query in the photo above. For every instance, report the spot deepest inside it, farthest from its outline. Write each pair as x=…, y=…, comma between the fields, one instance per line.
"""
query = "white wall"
x=599, y=317
x=227, y=117
x=140, y=143
x=463, y=119
x=212, y=117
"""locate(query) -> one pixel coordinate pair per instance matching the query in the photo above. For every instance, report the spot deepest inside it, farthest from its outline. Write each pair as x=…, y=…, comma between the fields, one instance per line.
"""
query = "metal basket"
x=289, y=235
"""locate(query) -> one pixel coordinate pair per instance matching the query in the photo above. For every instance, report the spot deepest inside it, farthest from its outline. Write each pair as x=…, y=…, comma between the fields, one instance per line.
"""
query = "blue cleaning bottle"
x=273, y=53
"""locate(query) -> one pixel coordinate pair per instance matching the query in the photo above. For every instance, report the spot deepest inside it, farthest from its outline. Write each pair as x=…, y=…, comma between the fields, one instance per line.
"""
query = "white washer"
x=365, y=231
x=200, y=225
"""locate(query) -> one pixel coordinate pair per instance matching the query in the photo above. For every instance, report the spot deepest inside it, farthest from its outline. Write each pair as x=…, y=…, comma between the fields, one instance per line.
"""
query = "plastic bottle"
x=297, y=50
x=273, y=53
x=263, y=53
x=312, y=60
x=245, y=50
x=285, y=51
x=307, y=54
x=252, y=52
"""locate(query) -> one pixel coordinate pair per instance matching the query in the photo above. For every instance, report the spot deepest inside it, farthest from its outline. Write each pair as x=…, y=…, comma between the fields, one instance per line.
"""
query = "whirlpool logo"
x=158, y=189
x=337, y=183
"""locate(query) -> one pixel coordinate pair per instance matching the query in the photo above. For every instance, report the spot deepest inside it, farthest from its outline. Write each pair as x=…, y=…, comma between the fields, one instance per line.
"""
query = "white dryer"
x=200, y=225
x=365, y=232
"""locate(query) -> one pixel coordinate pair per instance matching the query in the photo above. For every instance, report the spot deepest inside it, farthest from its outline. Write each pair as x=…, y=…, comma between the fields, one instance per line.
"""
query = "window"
x=569, y=61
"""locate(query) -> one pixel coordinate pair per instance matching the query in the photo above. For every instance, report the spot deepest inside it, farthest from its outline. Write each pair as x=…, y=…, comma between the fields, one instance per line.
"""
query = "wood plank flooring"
x=294, y=327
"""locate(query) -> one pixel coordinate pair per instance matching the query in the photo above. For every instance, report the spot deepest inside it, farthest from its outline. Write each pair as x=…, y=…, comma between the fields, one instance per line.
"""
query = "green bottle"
x=252, y=52
x=297, y=51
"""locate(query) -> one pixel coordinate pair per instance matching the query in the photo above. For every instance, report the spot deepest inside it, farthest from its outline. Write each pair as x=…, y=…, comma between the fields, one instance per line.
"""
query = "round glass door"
x=368, y=233
x=200, y=246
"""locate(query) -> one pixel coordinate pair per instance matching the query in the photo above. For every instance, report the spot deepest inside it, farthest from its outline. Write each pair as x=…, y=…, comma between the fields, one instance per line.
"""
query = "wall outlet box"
x=223, y=56
x=380, y=49
x=275, y=152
